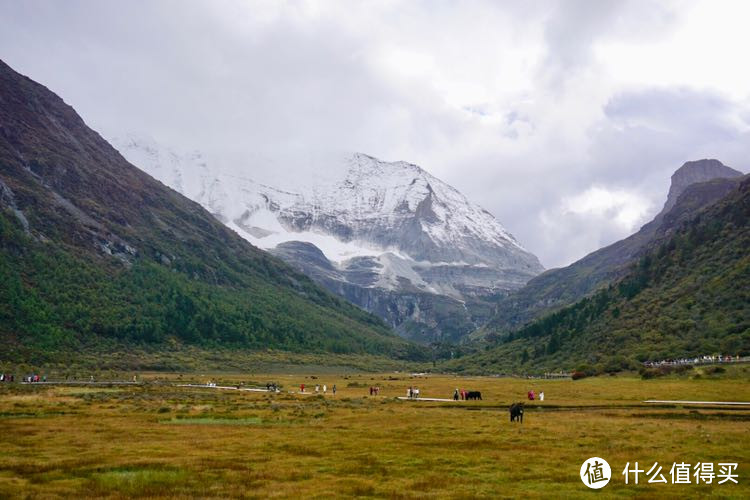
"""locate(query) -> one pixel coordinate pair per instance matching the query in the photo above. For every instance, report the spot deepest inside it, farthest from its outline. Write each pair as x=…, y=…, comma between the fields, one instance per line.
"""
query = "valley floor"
x=158, y=439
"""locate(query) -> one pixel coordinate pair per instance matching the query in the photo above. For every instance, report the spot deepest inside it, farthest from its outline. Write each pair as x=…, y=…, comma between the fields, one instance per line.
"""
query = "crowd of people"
x=698, y=360
x=31, y=378
x=318, y=388
x=412, y=393
x=374, y=390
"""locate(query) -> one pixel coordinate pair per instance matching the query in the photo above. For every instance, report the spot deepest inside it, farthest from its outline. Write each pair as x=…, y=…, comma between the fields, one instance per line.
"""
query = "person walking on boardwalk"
x=455, y=395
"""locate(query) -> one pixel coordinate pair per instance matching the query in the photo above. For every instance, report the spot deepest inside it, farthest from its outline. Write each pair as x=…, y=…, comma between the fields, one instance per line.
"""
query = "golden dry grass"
x=162, y=441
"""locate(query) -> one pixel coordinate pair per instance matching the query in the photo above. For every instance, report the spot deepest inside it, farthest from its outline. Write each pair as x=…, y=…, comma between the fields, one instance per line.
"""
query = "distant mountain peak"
x=83, y=232
x=356, y=199
x=692, y=172
x=389, y=236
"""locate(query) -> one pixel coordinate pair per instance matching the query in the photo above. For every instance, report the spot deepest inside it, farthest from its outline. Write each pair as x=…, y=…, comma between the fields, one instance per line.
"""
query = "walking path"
x=79, y=382
x=228, y=387
x=252, y=389
x=420, y=398
x=728, y=403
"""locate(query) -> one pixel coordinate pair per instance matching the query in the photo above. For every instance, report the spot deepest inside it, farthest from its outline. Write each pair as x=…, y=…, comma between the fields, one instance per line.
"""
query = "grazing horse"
x=516, y=412
x=473, y=395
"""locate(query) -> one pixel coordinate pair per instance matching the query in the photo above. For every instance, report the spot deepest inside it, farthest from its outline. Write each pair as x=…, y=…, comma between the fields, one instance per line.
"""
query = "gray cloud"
x=646, y=134
x=510, y=102
x=642, y=137
x=573, y=27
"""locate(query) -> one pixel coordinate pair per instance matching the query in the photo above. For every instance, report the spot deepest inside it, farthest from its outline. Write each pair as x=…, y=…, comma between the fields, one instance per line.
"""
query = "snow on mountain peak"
x=355, y=206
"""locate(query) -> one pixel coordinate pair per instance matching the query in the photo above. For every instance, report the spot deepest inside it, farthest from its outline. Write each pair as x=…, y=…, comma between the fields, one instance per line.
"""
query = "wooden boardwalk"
x=226, y=387
x=721, y=403
x=80, y=382
x=404, y=398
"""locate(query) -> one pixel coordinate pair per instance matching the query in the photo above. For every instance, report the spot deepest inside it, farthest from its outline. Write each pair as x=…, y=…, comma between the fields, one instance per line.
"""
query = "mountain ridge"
x=392, y=233
x=557, y=288
x=92, y=249
x=687, y=295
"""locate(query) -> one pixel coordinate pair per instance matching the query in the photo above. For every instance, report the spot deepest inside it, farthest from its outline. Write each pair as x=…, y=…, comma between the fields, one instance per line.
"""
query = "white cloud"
x=704, y=50
x=621, y=207
x=591, y=219
x=526, y=107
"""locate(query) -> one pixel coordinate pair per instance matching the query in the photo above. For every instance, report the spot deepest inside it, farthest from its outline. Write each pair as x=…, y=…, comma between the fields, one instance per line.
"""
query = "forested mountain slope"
x=687, y=295
x=560, y=287
x=94, y=251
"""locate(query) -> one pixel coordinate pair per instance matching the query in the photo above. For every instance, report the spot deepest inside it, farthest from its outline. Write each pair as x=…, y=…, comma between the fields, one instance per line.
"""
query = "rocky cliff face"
x=694, y=172
x=412, y=312
x=385, y=235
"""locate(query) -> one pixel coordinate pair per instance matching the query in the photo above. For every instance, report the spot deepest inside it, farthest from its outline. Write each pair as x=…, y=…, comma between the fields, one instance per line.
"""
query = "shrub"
x=578, y=375
x=682, y=368
x=660, y=371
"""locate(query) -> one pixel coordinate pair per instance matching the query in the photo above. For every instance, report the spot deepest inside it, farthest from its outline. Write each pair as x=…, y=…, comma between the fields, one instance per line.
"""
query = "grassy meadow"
x=159, y=440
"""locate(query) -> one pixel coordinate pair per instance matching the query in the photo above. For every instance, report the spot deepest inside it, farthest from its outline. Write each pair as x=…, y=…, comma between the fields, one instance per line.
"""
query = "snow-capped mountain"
x=378, y=226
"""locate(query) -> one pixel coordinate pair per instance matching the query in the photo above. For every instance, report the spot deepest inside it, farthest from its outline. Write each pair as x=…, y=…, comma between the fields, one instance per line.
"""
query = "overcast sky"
x=564, y=119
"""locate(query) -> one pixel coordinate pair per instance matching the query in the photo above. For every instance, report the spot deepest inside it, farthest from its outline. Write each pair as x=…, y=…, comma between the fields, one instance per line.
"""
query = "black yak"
x=473, y=395
x=516, y=412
